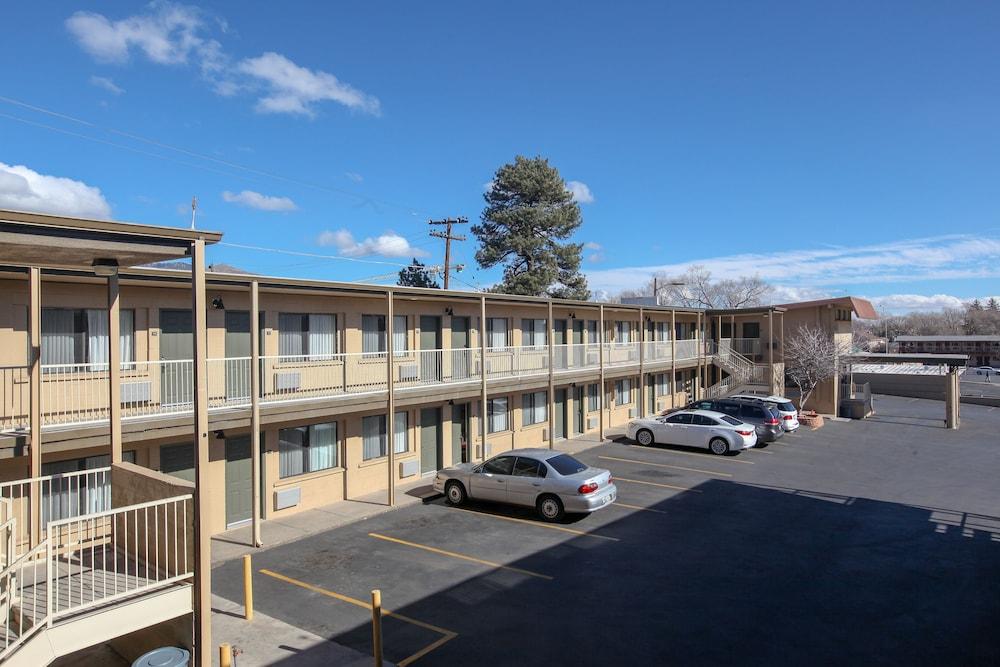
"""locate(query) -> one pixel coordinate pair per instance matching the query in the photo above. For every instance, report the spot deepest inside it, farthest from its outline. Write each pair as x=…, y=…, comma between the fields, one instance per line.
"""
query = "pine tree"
x=416, y=275
x=992, y=304
x=529, y=215
x=976, y=305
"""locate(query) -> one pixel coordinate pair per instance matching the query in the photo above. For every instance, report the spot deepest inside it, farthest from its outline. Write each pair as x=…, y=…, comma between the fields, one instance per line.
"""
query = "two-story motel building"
x=360, y=388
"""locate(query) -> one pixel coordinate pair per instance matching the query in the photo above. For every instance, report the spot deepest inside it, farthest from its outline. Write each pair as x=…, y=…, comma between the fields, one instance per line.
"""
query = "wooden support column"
x=770, y=353
x=952, y=398
x=699, y=354
x=255, y=449
x=483, y=425
x=600, y=360
x=35, y=404
x=114, y=370
x=673, y=358
x=203, y=538
x=390, y=417
x=642, y=365
x=550, y=339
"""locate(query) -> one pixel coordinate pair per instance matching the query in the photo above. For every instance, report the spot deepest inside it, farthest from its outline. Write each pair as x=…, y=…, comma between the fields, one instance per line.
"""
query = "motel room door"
x=579, y=408
x=460, y=359
x=460, y=433
x=430, y=440
x=237, y=355
x=430, y=346
x=239, y=480
x=560, y=405
x=177, y=357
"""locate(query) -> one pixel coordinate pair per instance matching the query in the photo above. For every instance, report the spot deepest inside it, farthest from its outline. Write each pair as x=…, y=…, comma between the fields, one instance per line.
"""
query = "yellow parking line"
x=665, y=486
x=636, y=507
x=721, y=459
x=666, y=465
x=536, y=524
x=446, y=635
x=452, y=554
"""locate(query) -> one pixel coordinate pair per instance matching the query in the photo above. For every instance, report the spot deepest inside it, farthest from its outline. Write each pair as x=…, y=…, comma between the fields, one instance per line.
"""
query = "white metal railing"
x=621, y=354
x=657, y=351
x=14, y=398
x=23, y=598
x=576, y=356
x=61, y=496
x=298, y=377
x=748, y=347
x=686, y=349
x=508, y=362
x=431, y=367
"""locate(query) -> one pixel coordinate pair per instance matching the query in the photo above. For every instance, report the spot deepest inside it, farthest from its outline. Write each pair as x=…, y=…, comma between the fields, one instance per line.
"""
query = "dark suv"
x=764, y=417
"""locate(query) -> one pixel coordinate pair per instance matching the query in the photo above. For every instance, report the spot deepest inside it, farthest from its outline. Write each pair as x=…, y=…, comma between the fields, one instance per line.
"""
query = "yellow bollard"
x=377, y=626
x=225, y=655
x=247, y=588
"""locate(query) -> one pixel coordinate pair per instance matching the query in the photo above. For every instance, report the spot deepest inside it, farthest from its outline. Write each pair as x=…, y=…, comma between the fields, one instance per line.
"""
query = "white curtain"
x=372, y=333
x=623, y=332
x=399, y=338
x=592, y=402
x=496, y=332
x=535, y=408
x=290, y=334
x=97, y=337
x=290, y=446
x=373, y=437
x=400, y=444
x=497, y=415
x=321, y=335
x=57, y=336
x=322, y=446
x=126, y=338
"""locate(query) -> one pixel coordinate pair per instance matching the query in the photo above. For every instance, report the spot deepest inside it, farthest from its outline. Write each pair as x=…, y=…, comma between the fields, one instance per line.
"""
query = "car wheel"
x=455, y=493
x=718, y=446
x=550, y=508
x=644, y=437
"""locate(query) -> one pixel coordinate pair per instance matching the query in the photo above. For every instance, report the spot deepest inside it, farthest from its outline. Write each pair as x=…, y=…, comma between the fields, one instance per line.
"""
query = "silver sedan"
x=552, y=482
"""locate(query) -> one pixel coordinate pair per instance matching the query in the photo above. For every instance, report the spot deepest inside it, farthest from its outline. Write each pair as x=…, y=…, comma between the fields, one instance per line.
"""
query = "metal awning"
x=950, y=360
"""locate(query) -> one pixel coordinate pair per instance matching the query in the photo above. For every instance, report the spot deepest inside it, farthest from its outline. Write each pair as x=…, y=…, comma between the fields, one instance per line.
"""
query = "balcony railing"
x=73, y=394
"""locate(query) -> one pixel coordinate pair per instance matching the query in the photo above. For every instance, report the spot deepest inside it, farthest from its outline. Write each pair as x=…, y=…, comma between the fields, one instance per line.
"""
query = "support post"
x=552, y=384
x=483, y=425
x=255, y=471
x=114, y=370
x=247, y=587
x=600, y=359
x=952, y=399
x=35, y=393
x=642, y=365
x=673, y=359
x=377, y=627
x=770, y=353
x=225, y=655
x=390, y=417
x=699, y=352
x=203, y=537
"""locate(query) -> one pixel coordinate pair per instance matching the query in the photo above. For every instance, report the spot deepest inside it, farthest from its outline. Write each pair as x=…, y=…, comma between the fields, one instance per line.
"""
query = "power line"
x=301, y=253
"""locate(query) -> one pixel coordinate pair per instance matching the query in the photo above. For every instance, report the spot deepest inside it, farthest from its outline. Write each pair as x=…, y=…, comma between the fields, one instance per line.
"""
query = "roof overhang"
x=950, y=360
x=36, y=239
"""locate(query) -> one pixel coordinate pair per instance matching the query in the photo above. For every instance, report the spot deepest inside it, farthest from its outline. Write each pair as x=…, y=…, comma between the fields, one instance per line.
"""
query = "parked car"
x=987, y=371
x=714, y=431
x=552, y=482
x=765, y=419
x=786, y=409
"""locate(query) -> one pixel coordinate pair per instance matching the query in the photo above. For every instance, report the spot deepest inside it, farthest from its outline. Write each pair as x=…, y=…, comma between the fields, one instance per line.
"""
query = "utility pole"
x=657, y=287
x=448, y=238
x=194, y=209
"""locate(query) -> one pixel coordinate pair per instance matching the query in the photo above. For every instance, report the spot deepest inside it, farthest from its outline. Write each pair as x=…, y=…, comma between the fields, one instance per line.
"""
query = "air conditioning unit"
x=285, y=498
x=287, y=381
x=409, y=468
x=592, y=423
x=409, y=373
x=545, y=434
x=136, y=392
x=632, y=413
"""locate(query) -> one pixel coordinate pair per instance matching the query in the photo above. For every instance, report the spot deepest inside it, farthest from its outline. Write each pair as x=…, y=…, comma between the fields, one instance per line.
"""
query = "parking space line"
x=536, y=524
x=452, y=554
x=665, y=486
x=446, y=635
x=636, y=507
x=721, y=459
x=666, y=465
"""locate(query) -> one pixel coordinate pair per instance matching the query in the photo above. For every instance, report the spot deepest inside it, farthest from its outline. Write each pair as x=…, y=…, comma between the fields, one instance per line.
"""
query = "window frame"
x=530, y=405
x=304, y=448
x=492, y=414
x=81, y=336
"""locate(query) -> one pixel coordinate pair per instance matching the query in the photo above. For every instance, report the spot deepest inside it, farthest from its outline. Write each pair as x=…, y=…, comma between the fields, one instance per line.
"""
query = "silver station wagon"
x=552, y=482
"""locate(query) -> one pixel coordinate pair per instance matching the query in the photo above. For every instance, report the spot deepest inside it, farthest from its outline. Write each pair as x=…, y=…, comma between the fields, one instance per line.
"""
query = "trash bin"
x=852, y=408
x=166, y=656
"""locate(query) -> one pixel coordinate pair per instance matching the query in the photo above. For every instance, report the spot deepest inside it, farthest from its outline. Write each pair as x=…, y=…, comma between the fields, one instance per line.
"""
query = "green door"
x=460, y=433
x=237, y=355
x=176, y=357
x=560, y=413
x=579, y=408
x=239, y=480
x=430, y=346
x=430, y=440
x=461, y=361
x=559, y=339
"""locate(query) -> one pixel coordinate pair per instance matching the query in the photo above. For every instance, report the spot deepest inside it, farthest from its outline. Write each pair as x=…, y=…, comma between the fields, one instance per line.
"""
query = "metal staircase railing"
x=741, y=371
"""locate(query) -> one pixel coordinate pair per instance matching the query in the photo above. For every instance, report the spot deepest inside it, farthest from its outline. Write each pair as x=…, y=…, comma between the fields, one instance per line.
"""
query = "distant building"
x=982, y=350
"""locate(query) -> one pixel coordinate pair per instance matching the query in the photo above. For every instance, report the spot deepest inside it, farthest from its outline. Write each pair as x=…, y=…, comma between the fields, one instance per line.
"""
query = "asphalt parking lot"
x=861, y=542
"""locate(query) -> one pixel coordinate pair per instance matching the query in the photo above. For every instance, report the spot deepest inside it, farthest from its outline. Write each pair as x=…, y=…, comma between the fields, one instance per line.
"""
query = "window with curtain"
x=496, y=414
x=591, y=331
x=80, y=336
x=661, y=384
x=373, y=443
x=623, y=392
x=663, y=331
x=307, y=449
x=401, y=438
x=65, y=497
x=533, y=332
x=301, y=334
x=593, y=402
x=623, y=331
x=373, y=334
x=534, y=408
x=496, y=332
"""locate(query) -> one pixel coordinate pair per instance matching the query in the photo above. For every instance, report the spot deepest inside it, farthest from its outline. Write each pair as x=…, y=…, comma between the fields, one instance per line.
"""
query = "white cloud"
x=25, y=189
x=107, y=84
x=292, y=89
x=256, y=200
x=388, y=244
x=597, y=252
x=936, y=258
x=175, y=34
x=354, y=176
x=580, y=191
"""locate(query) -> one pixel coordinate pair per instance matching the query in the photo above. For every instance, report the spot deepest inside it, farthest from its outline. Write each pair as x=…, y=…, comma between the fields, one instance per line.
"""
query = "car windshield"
x=564, y=464
x=729, y=420
x=786, y=407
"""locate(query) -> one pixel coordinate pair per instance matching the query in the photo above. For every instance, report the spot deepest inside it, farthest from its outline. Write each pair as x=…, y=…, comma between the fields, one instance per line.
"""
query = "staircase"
x=741, y=372
x=92, y=578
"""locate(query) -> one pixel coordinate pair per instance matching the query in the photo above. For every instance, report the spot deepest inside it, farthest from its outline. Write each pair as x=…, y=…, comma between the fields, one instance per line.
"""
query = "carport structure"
x=950, y=364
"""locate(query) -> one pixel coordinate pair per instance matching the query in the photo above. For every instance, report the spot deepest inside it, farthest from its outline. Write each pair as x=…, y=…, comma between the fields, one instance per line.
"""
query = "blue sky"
x=831, y=147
